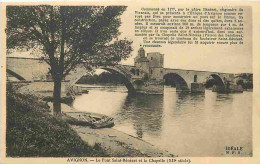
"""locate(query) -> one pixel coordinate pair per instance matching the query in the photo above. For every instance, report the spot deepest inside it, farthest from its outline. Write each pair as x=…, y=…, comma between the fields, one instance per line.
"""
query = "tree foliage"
x=245, y=80
x=68, y=36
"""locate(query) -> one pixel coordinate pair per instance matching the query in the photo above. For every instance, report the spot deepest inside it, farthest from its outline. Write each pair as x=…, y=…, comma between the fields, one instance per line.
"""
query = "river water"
x=184, y=124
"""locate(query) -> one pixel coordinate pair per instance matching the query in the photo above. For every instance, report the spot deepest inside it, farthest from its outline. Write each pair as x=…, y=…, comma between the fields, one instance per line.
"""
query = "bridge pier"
x=226, y=88
x=150, y=89
x=230, y=88
x=197, y=88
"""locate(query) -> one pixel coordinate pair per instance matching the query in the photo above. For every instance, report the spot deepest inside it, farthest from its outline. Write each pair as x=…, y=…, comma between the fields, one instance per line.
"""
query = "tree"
x=67, y=37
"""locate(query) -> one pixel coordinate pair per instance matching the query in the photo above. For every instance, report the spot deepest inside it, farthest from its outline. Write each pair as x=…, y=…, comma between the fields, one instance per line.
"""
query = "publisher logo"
x=232, y=150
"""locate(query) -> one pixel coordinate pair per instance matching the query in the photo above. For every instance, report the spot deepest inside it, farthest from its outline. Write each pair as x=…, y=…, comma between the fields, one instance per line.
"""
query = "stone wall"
x=155, y=59
x=43, y=88
x=29, y=69
x=156, y=74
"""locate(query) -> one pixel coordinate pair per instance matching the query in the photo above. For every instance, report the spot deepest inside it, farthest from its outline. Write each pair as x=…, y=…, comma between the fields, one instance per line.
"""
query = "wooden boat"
x=90, y=119
x=103, y=122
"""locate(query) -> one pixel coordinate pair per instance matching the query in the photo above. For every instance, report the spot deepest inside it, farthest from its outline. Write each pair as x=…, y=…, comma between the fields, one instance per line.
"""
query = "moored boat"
x=89, y=119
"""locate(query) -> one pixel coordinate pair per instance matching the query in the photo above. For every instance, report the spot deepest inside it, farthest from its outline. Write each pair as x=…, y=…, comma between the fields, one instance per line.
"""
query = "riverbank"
x=108, y=141
x=115, y=143
x=32, y=132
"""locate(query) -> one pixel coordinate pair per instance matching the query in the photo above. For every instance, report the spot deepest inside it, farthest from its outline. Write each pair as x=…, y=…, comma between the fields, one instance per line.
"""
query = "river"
x=184, y=124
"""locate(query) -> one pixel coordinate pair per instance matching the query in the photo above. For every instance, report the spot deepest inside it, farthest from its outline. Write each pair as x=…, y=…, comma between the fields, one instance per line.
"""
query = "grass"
x=33, y=132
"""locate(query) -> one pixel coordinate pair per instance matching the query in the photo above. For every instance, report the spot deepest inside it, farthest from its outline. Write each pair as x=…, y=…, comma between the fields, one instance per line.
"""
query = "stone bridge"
x=137, y=78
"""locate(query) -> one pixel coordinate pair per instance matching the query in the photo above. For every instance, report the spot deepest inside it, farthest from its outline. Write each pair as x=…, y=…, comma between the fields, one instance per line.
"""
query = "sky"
x=215, y=58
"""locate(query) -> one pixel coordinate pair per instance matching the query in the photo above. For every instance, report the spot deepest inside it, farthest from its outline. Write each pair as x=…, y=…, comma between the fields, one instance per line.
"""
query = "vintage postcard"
x=130, y=82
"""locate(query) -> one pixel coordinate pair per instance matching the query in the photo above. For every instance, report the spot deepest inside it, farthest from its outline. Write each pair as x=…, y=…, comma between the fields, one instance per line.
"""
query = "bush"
x=32, y=131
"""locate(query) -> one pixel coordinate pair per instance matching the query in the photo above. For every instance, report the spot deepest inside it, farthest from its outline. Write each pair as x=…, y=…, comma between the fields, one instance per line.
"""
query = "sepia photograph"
x=120, y=81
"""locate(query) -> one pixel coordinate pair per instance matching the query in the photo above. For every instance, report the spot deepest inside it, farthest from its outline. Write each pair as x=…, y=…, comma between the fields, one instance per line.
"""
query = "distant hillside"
x=103, y=78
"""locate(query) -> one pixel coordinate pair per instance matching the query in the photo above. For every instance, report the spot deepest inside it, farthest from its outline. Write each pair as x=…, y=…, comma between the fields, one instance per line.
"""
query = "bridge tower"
x=149, y=69
x=156, y=66
x=141, y=63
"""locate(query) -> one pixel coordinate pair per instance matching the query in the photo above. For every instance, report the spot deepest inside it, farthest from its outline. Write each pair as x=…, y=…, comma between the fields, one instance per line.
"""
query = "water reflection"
x=187, y=98
x=185, y=124
x=145, y=112
x=181, y=103
x=225, y=98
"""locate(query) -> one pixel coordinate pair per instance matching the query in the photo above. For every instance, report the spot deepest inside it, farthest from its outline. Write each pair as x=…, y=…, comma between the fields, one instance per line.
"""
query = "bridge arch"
x=219, y=84
x=126, y=80
x=19, y=77
x=125, y=76
x=177, y=80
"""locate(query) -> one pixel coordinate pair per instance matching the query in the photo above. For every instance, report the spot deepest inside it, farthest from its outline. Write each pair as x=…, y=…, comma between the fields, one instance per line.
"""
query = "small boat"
x=90, y=119
x=104, y=122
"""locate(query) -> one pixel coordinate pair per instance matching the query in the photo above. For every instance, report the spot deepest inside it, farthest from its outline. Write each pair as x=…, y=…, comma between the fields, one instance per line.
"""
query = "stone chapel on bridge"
x=149, y=66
